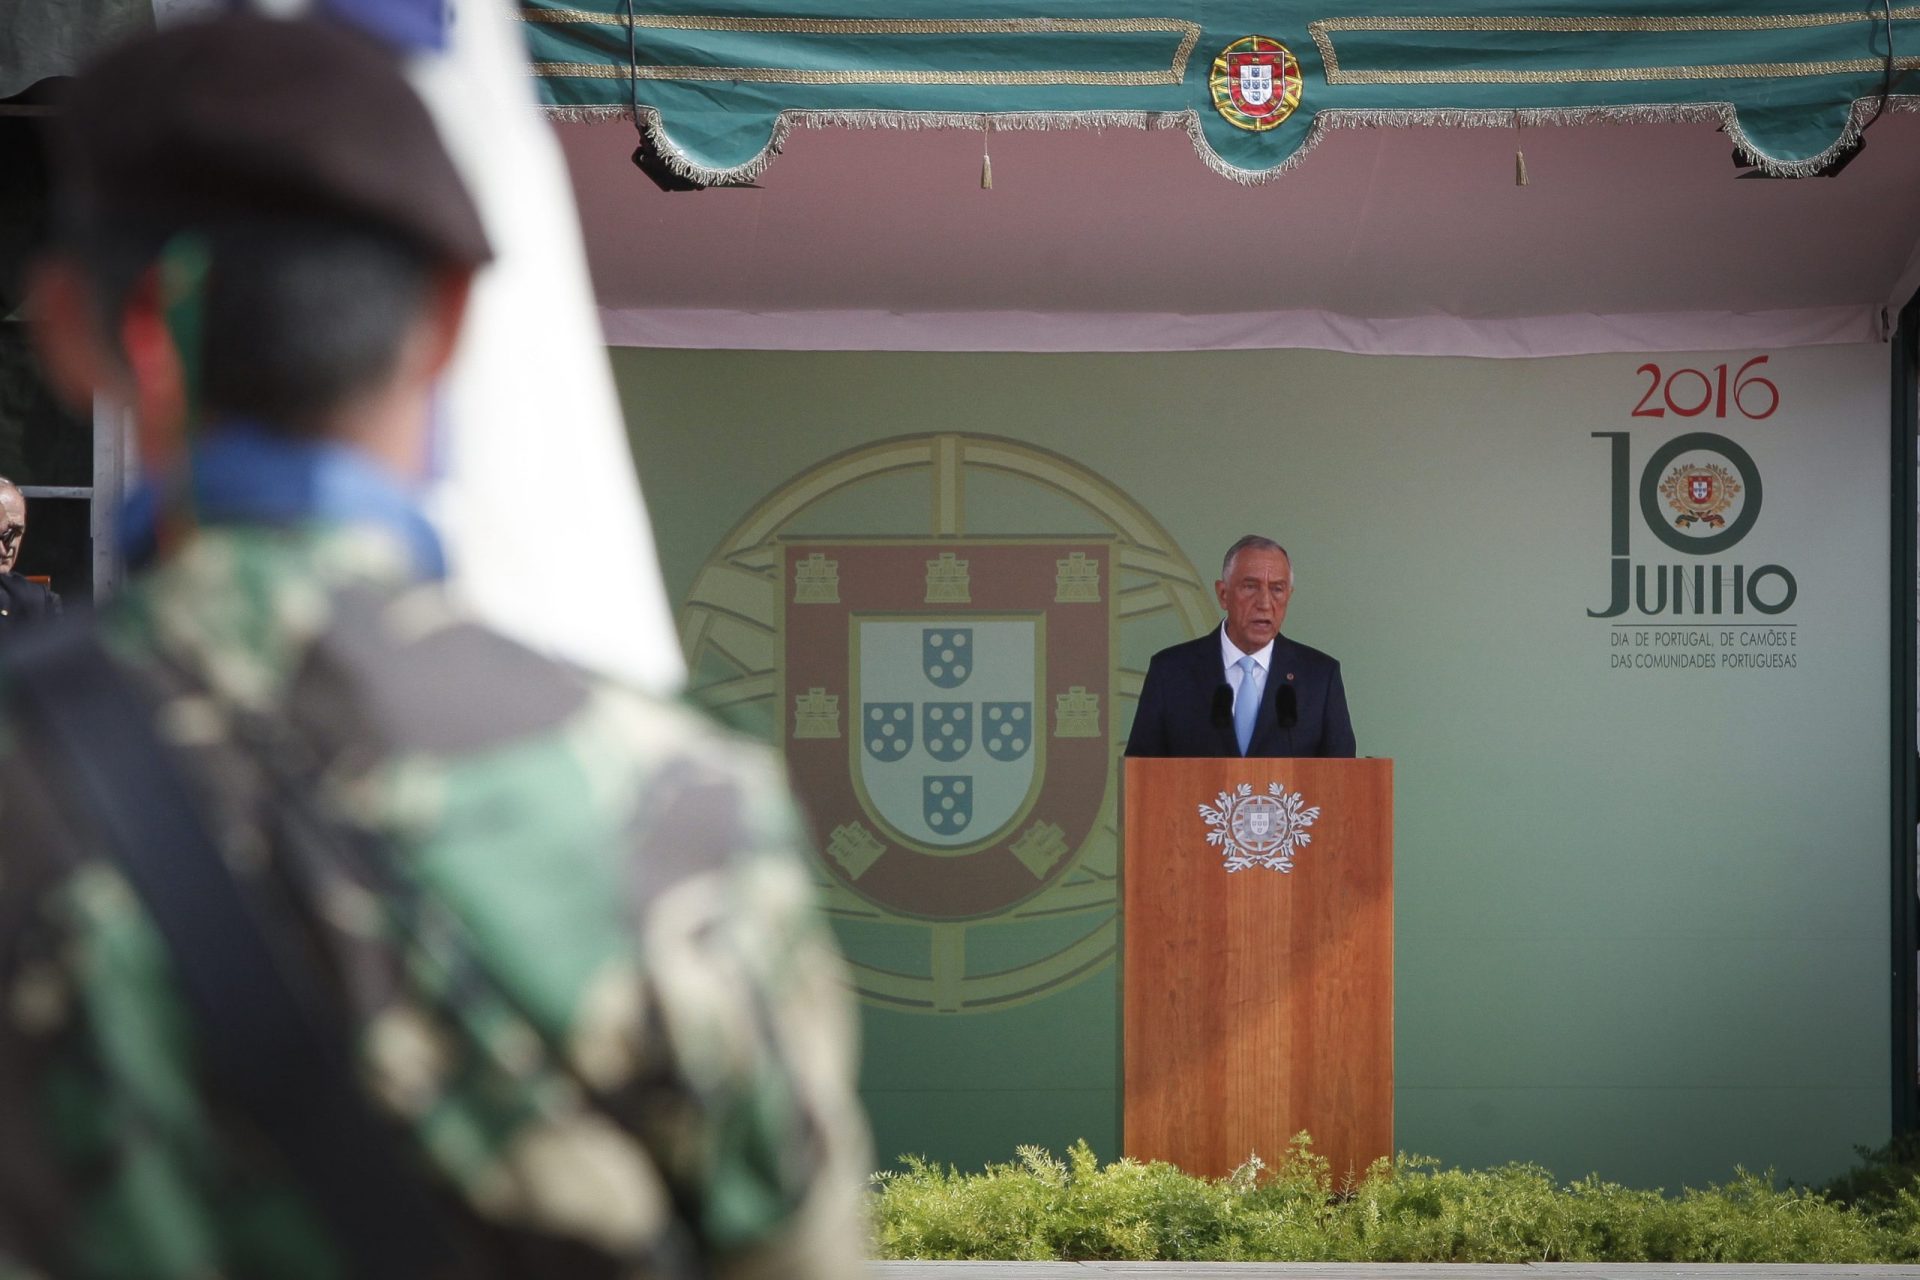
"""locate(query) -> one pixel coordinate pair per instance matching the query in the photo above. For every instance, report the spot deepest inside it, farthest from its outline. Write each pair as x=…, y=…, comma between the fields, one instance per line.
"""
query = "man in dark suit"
x=20, y=599
x=1244, y=689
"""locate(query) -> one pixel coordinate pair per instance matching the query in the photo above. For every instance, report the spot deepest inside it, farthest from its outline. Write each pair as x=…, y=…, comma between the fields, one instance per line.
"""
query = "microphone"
x=1222, y=711
x=1286, y=705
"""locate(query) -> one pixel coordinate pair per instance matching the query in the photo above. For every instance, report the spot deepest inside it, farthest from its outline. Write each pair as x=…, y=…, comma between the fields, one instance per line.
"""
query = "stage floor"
x=1381, y=1271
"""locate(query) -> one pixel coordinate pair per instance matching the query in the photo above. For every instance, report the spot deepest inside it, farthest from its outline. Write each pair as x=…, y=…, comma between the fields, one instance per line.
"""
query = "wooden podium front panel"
x=1258, y=1003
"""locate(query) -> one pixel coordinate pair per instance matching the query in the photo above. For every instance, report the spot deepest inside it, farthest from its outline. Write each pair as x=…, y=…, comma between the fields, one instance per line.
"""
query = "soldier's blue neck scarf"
x=241, y=474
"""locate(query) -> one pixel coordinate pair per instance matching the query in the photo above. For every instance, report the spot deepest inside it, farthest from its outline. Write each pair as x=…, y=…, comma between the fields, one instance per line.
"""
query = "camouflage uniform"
x=582, y=966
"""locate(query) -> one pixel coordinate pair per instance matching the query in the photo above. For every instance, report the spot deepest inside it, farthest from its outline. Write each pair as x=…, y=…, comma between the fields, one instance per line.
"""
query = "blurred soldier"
x=338, y=935
x=21, y=600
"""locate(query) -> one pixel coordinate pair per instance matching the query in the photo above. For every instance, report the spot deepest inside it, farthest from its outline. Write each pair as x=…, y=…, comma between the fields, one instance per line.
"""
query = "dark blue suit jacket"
x=1186, y=705
x=24, y=601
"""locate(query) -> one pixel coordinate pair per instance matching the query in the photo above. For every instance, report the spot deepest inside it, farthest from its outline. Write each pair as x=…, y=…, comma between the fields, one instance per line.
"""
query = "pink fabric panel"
x=1435, y=335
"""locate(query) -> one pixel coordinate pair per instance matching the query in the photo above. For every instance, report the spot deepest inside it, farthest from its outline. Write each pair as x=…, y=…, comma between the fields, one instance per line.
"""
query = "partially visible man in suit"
x=1244, y=689
x=20, y=599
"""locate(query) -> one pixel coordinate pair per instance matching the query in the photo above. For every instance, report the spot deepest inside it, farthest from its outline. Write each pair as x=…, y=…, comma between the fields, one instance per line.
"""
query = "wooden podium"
x=1258, y=1002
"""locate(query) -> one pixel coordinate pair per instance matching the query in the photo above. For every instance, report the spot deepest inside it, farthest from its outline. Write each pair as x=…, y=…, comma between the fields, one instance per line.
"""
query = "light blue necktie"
x=1247, y=708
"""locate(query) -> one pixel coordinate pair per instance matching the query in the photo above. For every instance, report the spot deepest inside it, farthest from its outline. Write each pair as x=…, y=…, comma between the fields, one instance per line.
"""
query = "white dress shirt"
x=1230, y=655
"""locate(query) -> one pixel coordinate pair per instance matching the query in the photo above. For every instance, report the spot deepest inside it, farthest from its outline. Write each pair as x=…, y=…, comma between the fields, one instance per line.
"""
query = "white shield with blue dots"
x=951, y=677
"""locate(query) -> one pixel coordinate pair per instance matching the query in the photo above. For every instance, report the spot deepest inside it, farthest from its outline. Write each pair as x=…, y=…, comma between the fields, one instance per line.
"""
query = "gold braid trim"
x=1189, y=33
x=798, y=75
x=1774, y=22
x=1607, y=75
x=1320, y=30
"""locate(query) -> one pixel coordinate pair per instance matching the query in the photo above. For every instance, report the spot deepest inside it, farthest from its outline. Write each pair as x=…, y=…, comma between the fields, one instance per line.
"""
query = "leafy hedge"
x=1410, y=1210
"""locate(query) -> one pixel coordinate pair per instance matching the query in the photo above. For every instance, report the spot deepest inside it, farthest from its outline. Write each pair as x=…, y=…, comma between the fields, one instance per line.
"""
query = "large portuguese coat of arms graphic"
x=948, y=713
x=946, y=634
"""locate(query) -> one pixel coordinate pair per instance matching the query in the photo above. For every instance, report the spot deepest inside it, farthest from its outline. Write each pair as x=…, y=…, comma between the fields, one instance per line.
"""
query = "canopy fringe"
x=1326, y=120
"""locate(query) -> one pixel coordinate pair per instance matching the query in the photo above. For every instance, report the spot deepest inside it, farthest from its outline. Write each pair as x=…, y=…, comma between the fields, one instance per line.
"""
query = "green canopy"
x=1255, y=84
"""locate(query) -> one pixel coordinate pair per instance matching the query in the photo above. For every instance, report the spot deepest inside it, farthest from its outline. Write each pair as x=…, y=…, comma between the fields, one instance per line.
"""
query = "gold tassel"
x=1519, y=167
x=986, y=164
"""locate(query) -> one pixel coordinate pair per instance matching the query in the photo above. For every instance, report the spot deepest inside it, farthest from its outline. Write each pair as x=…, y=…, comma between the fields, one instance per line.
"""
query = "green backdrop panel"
x=1641, y=858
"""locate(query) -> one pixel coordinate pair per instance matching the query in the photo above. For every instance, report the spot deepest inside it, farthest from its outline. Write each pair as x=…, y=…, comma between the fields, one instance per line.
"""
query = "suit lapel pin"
x=1289, y=675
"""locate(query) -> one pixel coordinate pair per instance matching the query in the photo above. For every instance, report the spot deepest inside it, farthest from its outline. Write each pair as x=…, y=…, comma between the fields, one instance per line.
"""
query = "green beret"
x=242, y=117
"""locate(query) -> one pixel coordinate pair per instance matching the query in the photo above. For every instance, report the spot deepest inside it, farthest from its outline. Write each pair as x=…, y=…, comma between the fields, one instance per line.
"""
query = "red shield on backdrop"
x=1700, y=488
x=946, y=710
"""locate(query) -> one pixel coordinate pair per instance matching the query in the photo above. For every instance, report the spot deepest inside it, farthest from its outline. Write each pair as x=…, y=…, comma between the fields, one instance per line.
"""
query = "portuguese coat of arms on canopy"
x=1255, y=83
x=947, y=704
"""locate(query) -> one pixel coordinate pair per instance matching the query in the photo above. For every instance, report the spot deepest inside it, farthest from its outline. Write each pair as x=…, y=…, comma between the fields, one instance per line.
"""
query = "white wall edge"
x=1438, y=335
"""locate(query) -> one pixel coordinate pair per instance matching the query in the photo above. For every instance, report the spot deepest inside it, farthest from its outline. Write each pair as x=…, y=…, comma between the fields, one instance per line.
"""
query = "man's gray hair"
x=1252, y=542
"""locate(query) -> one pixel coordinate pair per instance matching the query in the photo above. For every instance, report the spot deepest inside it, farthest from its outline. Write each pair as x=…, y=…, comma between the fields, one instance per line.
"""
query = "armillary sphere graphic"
x=946, y=501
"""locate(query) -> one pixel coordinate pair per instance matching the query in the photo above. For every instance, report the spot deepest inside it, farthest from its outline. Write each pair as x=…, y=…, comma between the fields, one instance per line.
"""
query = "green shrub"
x=1041, y=1208
x=1881, y=1175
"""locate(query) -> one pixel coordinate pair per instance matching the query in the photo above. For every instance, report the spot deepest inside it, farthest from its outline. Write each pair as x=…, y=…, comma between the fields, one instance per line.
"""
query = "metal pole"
x=1905, y=713
x=109, y=484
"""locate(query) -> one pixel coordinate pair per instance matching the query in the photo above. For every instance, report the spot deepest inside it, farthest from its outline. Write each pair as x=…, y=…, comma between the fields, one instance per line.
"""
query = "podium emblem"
x=1259, y=830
